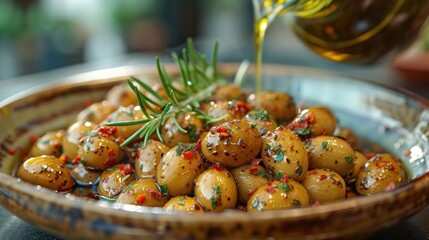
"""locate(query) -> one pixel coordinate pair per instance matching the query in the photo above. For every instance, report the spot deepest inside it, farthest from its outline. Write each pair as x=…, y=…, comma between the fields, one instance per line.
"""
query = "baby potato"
x=324, y=186
x=71, y=139
x=121, y=95
x=227, y=110
x=248, y=179
x=360, y=160
x=179, y=168
x=189, y=122
x=96, y=112
x=229, y=92
x=350, y=136
x=279, y=104
x=148, y=158
x=142, y=192
x=51, y=144
x=277, y=195
x=232, y=143
x=129, y=113
x=314, y=121
x=216, y=189
x=264, y=121
x=113, y=180
x=84, y=176
x=46, y=171
x=184, y=204
x=381, y=173
x=332, y=153
x=99, y=153
x=284, y=154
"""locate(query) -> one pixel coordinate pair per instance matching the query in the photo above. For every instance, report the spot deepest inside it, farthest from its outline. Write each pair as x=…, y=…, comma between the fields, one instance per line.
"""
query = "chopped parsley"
x=262, y=174
x=303, y=132
x=279, y=157
x=349, y=159
x=192, y=132
x=260, y=114
x=181, y=201
x=280, y=175
x=216, y=199
x=164, y=189
x=283, y=186
x=184, y=147
x=324, y=145
x=298, y=170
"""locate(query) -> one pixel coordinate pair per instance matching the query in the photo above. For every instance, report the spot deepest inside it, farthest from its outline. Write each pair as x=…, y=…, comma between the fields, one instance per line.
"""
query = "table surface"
x=11, y=227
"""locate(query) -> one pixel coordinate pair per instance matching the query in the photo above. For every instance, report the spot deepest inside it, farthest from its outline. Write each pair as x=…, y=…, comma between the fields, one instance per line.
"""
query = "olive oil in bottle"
x=352, y=31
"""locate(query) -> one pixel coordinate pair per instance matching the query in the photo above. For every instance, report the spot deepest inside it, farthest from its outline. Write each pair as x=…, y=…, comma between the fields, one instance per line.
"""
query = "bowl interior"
x=395, y=120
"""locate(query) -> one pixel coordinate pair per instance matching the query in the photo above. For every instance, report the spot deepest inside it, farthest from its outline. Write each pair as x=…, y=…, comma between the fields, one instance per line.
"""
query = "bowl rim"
x=105, y=208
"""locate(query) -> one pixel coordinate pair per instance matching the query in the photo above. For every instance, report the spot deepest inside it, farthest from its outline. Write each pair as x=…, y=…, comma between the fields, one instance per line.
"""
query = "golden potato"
x=233, y=143
x=46, y=171
x=216, y=189
x=113, y=180
x=179, y=168
x=147, y=158
x=279, y=104
x=248, y=179
x=381, y=173
x=121, y=95
x=324, y=186
x=184, y=204
x=189, y=122
x=96, y=112
x=142, y=192
x=99, y=153
x=284, y=154
x=73, y=135
x=332, y=153
x=51, y=144
x=229, y=92
x=277, y=195
x=313, y=122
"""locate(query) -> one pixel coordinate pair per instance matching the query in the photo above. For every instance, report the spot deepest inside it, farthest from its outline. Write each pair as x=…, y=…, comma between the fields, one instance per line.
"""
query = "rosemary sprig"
x=199, y=79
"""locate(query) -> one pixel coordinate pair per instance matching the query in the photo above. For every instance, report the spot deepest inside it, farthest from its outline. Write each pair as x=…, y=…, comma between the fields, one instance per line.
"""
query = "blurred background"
x=41, y=35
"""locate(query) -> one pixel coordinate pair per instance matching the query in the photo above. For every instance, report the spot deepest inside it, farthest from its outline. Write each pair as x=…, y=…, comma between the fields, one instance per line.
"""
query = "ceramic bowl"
x=396, y=120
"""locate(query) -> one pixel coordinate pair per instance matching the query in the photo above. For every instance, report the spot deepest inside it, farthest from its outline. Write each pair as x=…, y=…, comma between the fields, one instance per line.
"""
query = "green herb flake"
x=130, y=187
x=192, y=132
x=279, y=157
x=296, y=202
x=214, y=202
x=262, y=173
x=184, y=147
x=261, y=114
x=181, y=201
x=114, y=168
x=283, y=186
x=324, y=145
x=129, y=112
x=253, y=125
x=164, y=189
x=83, y=162
x=217, y=190
x=349, y=159
x=303, y=132
x=280, y=175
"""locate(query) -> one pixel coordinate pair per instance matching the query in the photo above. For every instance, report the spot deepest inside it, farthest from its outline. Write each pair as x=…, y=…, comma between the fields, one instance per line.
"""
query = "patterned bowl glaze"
x=397, y=120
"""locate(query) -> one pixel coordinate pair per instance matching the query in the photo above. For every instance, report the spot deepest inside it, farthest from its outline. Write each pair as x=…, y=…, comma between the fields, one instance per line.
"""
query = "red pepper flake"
x=224, y=135
x=155, y=194
x=240, y=108
x=33, y=139
x=64, y=159
x=314, y=172
x=270, y=189
x=11, y=151
x=141, y=199
x=253, y=171
x=106, y=131
x=252, y=192
x=221, y=129
x=280, y=128
x=390, y=187
x=121, y=140
x=109, y=162
x=217, y=167
x=323, y=177
x=126, y=169
x=188, y=155
x=285, y=179
x=316, y=204
x=256, y=161
x=112, y=153
x=76, y=160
